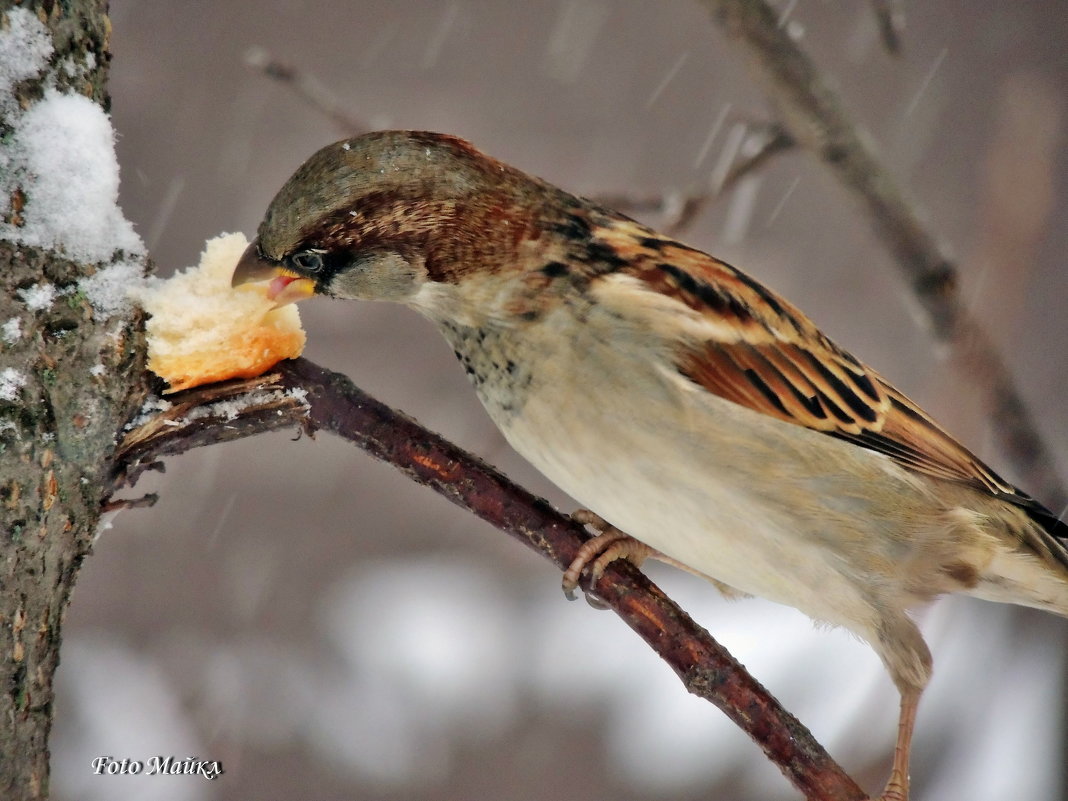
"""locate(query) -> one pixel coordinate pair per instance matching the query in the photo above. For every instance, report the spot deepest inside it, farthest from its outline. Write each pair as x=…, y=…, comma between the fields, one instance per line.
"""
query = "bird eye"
x=309, y=261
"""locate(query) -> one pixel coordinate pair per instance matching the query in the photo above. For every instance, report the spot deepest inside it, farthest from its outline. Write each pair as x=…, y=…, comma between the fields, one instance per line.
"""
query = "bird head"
x=374, y=217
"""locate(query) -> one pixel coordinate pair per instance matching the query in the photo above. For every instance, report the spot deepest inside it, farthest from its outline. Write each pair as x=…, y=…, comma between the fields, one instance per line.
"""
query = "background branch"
x=890, y=16
x=307, y=88
x=814, y=116
x=302, y=393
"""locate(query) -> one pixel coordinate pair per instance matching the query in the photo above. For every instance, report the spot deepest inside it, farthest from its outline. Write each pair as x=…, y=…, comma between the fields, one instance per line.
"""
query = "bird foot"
x=892, y=794
x=897, y=789
x=597, y=553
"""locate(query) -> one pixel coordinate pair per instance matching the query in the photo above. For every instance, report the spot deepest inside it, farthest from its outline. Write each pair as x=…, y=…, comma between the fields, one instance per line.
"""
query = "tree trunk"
x=70, y=376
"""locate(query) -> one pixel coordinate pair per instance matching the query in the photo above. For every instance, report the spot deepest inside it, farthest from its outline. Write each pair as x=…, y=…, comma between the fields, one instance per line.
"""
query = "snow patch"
x=11, y=331
x=148, y=410
x=62, y=154
x=231, y=408
x=38, y=297
x=11, y=383
x=73, y=68
x=25, y=48
x=107, y=290
x=97, y=370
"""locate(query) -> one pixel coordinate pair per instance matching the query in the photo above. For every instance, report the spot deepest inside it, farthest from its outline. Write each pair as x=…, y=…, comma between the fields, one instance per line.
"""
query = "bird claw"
x=597, y=553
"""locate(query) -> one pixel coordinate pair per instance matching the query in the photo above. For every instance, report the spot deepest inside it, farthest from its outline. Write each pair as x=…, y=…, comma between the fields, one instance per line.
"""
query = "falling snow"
x=671, y=73
x=421, y=718
x=926, y=83
x=721, y=117
x=572, y=39
x=782, y=201
x=437, y=40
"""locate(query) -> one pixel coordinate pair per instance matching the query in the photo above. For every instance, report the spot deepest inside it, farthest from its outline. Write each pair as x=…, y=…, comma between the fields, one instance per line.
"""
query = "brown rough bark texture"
x=57, y=436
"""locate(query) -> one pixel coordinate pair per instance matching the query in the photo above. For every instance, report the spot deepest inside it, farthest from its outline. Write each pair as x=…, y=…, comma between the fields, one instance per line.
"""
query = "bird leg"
x=597, y=553
x=897, y=788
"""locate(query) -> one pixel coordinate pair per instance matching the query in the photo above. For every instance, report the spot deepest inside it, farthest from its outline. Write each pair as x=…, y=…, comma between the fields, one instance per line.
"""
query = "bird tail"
x=1035, y=572
x=1050, y=532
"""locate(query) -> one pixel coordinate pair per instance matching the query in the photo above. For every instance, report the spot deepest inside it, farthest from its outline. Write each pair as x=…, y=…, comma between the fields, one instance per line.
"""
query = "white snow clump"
x=62, y=154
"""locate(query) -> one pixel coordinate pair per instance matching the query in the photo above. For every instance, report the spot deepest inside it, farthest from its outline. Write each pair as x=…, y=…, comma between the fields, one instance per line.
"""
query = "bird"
x=697, y=416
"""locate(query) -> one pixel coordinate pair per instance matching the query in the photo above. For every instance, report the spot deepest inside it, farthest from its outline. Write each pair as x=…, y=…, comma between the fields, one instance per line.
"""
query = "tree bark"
x=58, y=426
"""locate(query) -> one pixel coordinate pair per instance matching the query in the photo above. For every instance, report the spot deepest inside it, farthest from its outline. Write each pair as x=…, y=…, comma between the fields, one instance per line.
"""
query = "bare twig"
x=146, y=501
x=678, y=211
x=890, y=16
x=687, y=212
x=307, y=88
x=329, y=401
x=814, y=116
x=768, y=141
x=659, y=205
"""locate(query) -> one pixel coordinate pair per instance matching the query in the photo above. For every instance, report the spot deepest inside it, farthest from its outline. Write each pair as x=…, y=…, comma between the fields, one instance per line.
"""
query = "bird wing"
x=744, y=343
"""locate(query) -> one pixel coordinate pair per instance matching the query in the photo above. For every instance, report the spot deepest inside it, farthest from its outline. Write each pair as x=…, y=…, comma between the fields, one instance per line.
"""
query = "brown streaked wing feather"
x=929, y=449
x=913, y=439
x=781, y=365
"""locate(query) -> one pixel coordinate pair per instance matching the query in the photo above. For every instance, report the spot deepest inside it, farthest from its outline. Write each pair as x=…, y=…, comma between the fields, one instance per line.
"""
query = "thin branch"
x=664, y=205
x=146, y=501
x=678, y=211
x=890, y=16
x=814, y=116
x=768, y=141
x=323, y=400
x=307, y=88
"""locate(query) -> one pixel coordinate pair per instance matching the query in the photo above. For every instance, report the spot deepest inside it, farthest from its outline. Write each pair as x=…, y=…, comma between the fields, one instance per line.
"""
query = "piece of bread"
x=202, y=331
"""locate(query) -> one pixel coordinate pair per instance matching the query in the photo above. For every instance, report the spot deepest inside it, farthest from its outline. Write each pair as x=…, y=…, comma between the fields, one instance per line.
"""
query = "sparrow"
x=676, y=398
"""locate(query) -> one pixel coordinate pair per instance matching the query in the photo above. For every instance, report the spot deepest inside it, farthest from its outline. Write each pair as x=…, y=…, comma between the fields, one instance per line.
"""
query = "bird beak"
x=285, y=286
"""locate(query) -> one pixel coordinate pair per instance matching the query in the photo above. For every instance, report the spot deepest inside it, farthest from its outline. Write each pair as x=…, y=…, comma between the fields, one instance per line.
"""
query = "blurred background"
x=329, y=630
